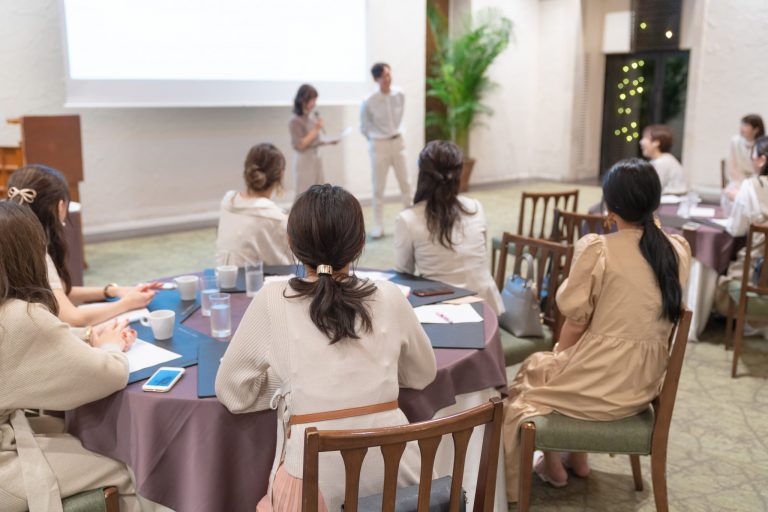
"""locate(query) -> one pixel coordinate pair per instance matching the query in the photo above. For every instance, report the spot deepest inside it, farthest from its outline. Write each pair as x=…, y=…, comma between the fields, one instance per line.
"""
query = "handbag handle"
x=529, y=261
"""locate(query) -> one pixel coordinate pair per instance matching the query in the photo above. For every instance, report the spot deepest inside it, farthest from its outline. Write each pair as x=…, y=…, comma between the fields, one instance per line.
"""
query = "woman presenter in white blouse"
x=444, y=234
x=326, y=345
x=251, y=225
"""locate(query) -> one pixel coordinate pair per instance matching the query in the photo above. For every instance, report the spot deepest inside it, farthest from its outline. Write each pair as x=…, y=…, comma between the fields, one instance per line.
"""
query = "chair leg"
x=637, y=472
x=729, y=324
x=737, y=340
x=659, y=479
x=527, y=446
x=111, y=499
x=493, y=262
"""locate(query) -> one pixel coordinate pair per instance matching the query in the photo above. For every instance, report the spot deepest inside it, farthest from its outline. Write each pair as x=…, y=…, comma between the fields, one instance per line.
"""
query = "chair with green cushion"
x=552, y=263
x=97, y=500
x=646, y=433
x=543, y=224
x=748, y=298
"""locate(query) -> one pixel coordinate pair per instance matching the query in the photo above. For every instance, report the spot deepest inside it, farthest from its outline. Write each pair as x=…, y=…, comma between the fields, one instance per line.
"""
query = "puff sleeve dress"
x=617, y=366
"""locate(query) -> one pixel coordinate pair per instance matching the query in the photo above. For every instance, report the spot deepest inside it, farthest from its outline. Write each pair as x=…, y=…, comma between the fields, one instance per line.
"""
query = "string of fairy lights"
x=629, y=89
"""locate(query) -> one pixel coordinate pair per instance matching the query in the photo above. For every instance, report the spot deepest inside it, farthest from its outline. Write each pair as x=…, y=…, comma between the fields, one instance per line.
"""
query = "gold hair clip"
x=25, y=195
x=324, y=269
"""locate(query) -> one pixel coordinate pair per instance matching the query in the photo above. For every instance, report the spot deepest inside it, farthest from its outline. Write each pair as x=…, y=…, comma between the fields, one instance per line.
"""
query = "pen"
x=444, y=317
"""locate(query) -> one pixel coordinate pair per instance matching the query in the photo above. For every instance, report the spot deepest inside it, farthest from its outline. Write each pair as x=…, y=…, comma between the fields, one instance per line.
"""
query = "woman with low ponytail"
x=251, y=226
x=327, y=350
x=444, y=234
x=620, y=303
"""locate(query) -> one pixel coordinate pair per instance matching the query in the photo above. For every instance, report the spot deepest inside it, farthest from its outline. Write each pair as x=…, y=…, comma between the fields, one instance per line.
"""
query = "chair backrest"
x=576, y=225
x=537, y=211
x=749, y=281
x=552, y=263
x=665, y=402
x=353, y=445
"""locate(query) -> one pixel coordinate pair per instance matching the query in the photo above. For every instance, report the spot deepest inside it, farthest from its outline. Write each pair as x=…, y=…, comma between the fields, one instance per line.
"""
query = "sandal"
x=538, y=468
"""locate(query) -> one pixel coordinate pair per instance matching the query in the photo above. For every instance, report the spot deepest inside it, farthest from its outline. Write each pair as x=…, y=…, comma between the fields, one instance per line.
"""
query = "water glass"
x=254, y=277
x=208, y=286
x=221, y=315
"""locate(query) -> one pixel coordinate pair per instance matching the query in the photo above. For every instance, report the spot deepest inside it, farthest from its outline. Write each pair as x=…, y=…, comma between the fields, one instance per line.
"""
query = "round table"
x=192, y=454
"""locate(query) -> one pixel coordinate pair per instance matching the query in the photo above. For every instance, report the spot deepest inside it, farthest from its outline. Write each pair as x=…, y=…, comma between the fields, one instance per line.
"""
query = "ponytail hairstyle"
x=760, y=149
x=50, y=187
x=264, y=167
x=440, y=165
x=326, y=227
x=632, y=190
x=23, y=273
x=305, y=93
x=756, y=122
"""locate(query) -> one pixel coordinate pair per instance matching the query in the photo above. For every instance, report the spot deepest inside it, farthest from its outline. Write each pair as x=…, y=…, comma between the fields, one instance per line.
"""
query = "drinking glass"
x=221, y=315
x=208, y=286
x=254, y=277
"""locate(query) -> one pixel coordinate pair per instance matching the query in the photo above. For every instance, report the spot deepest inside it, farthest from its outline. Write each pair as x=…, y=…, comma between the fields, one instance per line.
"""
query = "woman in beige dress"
x=45, y=191
x=444, y=234
x=306, y=137
x=43, y=365
x=620, y=302
x=251, y=225
x=328, y=343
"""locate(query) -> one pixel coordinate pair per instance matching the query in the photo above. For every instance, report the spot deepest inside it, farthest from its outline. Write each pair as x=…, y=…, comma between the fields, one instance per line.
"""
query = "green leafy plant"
x=459, y=76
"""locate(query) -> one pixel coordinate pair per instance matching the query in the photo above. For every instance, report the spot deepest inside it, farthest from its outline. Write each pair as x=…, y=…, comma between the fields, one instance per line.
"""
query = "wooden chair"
x=97, y=500
x=538, y=226
x=644, y=434
x=747, y=298
x=552, y=262
x=576, y=225
x=723, y=174
x=353, y=445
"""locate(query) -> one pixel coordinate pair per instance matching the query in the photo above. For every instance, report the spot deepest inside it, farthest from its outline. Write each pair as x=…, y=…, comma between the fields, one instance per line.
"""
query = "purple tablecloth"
x=192, y=454
x=713, y=247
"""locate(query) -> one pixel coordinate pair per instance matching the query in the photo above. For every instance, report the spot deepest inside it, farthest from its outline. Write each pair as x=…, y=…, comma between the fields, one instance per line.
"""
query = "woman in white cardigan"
x=327, y=343
x=251, y=225
x=444, y=234
x=44, y=366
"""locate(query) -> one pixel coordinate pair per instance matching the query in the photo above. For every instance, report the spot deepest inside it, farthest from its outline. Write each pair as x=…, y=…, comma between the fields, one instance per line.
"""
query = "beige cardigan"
x=44, y=366
x=278, y=352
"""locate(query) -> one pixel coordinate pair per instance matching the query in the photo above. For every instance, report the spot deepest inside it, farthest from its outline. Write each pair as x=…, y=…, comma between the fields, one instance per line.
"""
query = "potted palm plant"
x=459, y=75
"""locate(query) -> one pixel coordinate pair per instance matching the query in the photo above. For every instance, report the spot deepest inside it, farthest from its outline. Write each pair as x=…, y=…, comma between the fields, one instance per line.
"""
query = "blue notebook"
x=184, y=342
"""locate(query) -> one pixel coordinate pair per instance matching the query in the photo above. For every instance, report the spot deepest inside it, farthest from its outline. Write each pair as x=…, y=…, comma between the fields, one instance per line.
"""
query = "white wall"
x=149, y=167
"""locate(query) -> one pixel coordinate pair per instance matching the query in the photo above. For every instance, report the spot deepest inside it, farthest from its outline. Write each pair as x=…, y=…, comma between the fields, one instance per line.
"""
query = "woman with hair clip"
x=45, y=191
x=620, y=303
x=45, y=366
x=306, y=136
x=444, y=234
x=749, y=207
x=330, y=346
x=251, y=226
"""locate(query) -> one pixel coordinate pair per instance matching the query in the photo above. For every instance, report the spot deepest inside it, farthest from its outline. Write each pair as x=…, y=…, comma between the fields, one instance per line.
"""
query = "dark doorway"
x=641, y=89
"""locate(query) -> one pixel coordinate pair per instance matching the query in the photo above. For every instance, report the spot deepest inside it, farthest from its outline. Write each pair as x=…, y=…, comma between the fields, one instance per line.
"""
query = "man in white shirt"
x=381, y=117
x=655, y=145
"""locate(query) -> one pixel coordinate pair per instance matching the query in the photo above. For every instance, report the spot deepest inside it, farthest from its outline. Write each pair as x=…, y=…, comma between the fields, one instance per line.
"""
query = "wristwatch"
x=107, y=295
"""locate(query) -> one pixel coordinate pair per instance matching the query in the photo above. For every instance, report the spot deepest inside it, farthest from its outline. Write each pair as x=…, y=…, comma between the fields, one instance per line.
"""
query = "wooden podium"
x=54, y=141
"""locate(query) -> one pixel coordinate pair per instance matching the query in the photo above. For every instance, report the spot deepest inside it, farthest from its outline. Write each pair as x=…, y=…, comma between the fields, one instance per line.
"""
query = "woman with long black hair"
x=328, y=350
x=620, y=303
x=444, y=234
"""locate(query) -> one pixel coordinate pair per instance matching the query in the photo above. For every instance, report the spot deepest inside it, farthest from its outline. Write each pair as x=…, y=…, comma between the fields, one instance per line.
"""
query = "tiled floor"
x=718, y=453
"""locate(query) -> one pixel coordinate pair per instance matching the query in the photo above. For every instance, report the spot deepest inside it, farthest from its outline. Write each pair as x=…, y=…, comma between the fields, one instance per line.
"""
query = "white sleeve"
x=365, y=125
x=404, y=252
x=54, y=281
x=741, y=212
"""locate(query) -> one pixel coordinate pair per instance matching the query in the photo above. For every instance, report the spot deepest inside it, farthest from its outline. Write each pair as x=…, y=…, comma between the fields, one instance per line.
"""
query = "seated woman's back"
x=251, y=226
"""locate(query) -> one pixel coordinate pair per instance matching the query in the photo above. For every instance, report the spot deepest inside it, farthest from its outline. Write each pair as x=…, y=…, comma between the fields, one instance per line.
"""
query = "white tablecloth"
x=700, y=296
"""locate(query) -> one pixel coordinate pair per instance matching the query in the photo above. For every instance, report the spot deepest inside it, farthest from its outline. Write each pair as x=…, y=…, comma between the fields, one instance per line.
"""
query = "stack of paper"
x=447, y=314
x=701, y=212
x=670, y=199
x=145, y=355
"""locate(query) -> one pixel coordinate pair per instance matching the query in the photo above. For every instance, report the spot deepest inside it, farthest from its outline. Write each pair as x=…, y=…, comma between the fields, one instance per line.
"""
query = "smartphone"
x=431, y=292
x=163, y=379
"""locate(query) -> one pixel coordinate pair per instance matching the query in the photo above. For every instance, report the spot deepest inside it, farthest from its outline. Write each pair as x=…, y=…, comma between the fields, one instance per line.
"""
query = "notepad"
x=374, y=275
x=701, y=212
x=447, y=314
x=144, y=355
x=670, y=199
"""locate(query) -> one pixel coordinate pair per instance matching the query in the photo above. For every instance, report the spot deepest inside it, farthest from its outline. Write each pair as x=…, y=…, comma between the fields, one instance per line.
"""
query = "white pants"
x=386, y=153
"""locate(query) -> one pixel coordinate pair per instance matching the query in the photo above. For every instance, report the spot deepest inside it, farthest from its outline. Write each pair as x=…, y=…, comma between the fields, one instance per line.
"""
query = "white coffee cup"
x=227, y=275
x=187, y=286
x=162, y=322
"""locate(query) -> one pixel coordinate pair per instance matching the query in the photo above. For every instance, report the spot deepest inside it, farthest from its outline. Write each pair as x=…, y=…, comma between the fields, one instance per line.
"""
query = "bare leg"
x=553, y=468
x=578, y=464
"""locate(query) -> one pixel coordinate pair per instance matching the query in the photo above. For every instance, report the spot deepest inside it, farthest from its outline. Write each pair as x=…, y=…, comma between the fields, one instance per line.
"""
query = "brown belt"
x=314, y=417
